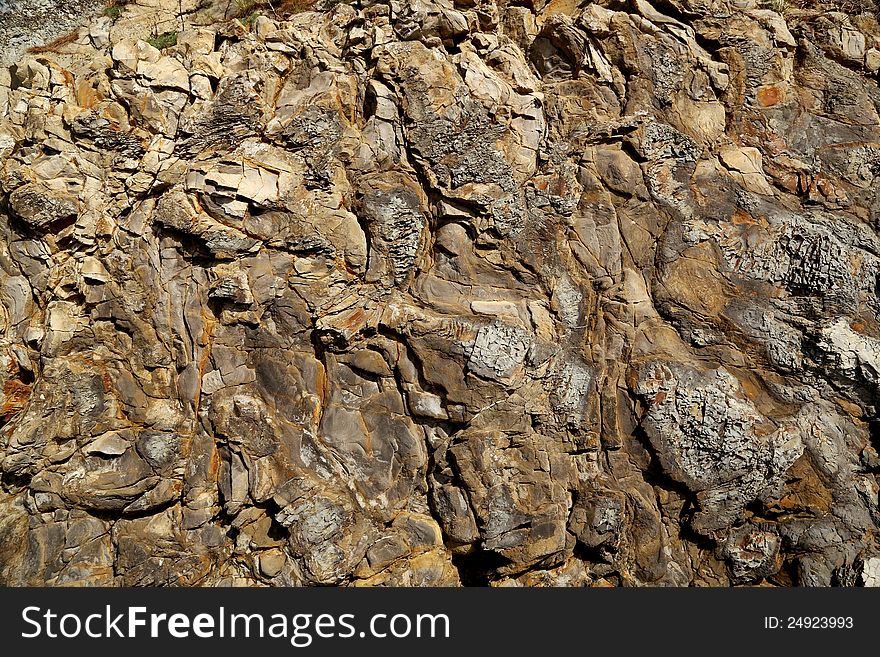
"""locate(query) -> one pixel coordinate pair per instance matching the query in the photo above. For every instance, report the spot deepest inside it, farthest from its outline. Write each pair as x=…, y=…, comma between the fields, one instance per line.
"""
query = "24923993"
x=809, y=622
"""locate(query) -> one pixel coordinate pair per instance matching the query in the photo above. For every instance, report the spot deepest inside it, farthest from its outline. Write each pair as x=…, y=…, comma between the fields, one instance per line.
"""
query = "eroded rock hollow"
x=437, y=293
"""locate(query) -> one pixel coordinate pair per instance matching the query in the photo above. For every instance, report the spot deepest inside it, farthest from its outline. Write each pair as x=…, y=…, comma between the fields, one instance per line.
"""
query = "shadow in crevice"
x=478, y=568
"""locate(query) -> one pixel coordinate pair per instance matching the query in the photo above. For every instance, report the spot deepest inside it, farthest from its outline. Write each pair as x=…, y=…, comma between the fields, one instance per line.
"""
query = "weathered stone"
x=435, y=293
x=42, y=207
x=107, y=445
x=165, y=72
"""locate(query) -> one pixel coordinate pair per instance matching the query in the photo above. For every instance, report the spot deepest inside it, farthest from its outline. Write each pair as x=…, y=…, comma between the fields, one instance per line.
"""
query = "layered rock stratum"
x=438, y=293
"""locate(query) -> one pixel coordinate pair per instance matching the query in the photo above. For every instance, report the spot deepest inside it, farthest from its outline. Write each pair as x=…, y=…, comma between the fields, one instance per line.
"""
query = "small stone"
x=495, y=308
x=43, y=207
x=165, y=72
x=93, y=271
x=872, y=60
x=129, y=52
x=853, y=44
x=8, y=140
x=196, y=41
x=746, y=167
x=871, y=572
x=99, y=32
x=108, y=445
x=424, y=404
x=271, y=562
x=370, y=361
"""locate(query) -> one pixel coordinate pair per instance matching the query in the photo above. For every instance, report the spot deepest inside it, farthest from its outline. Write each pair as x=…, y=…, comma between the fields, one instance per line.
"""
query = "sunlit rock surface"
x=440, y=293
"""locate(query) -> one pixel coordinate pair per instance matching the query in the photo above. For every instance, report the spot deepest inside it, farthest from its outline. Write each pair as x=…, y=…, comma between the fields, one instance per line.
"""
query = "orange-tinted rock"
x=770, y=96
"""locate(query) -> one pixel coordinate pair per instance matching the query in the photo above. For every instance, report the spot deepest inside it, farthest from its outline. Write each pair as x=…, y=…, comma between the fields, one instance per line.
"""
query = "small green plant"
x=251, y=18
x=252, y=9
x=779, y=6
x=114, y=8
x=164, y=40
x=243, y=8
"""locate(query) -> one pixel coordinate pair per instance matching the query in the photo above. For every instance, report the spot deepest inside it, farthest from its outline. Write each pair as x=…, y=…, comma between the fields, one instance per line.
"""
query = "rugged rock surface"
x=440, y=293
x=29, y=23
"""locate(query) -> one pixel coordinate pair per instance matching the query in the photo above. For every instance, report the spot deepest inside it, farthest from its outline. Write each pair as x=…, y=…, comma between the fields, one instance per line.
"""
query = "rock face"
x=29, y=23
x=444, y=292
